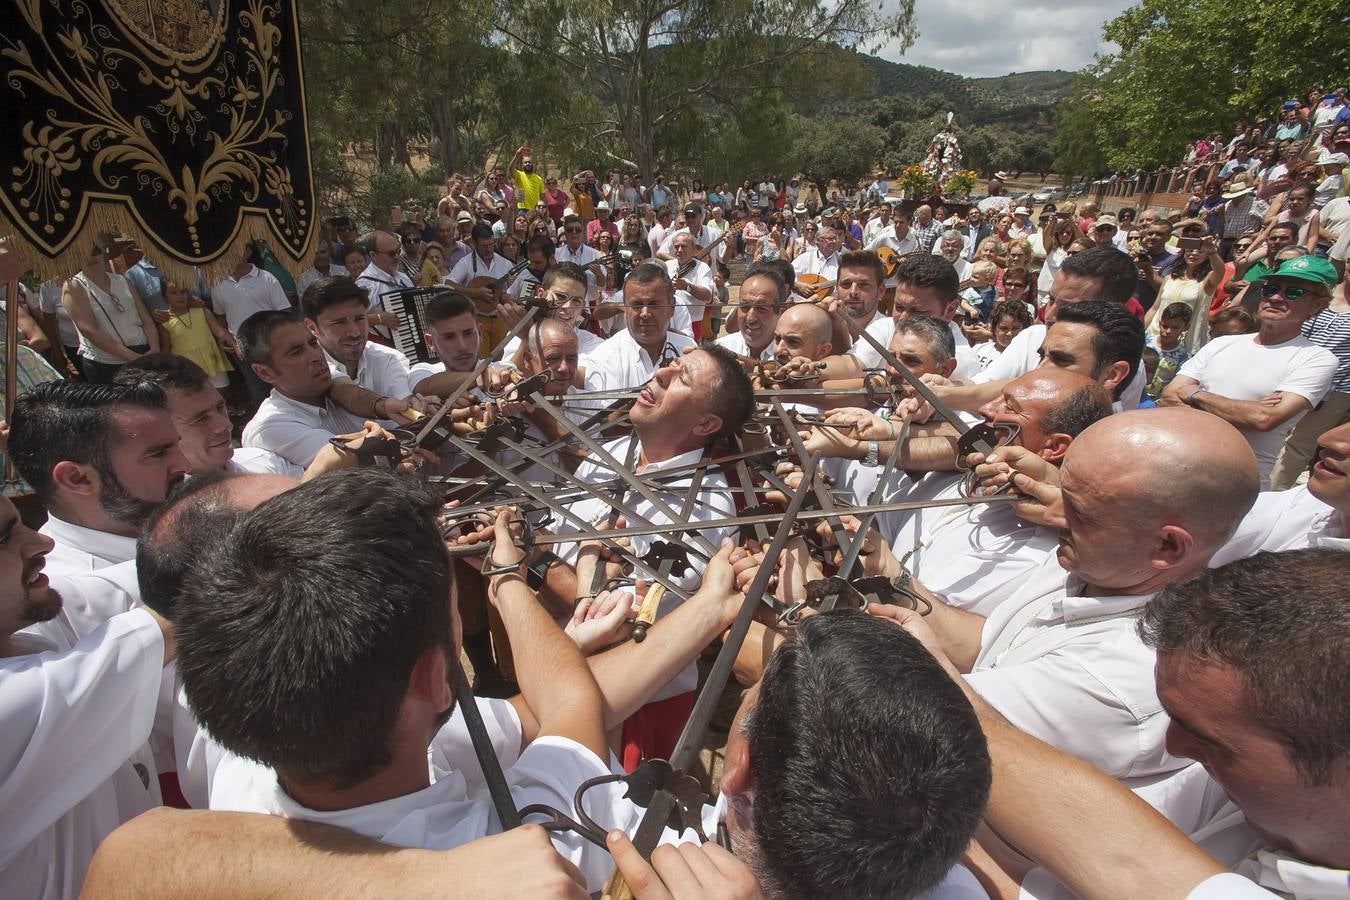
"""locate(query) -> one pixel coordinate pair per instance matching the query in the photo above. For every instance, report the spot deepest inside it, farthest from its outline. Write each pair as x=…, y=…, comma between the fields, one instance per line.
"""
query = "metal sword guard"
x=661, y=551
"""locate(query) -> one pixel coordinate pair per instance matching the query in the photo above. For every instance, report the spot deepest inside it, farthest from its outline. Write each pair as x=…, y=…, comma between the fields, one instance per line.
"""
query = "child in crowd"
x=1172, y=354
x=977, y=301
x=194, y=334
x=1150, y=361
x=1234, y=320
x=1006, y=321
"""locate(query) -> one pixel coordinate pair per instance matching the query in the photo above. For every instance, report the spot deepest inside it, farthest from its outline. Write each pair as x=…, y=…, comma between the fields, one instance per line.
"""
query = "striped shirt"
x=32, y=371
x=1331, y=329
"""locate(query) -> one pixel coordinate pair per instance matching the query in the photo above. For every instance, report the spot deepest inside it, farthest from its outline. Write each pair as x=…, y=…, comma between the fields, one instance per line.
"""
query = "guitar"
x=702, y=252
x=890, y=261
x=495, y=285
x=820, y=287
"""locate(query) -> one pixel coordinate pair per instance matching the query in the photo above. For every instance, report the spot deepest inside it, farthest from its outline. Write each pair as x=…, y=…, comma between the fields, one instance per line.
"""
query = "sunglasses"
x=572, y=230
x=1292, y=294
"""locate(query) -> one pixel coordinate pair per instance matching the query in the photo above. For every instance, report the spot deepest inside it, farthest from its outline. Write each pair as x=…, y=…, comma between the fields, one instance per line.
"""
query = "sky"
x=989, y=37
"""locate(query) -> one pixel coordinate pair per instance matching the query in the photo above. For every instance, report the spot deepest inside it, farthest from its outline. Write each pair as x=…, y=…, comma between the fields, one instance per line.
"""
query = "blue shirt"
x=149, y=283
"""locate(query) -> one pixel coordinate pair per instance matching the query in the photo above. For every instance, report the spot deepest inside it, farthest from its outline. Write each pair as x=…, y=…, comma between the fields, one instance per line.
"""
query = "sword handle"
x=646, y=616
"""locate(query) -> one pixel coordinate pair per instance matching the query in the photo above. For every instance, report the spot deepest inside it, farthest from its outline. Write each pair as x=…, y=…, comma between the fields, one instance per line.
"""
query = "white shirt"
x=454, y=809
x=883, y=329
x=1284, y=520
x=735, y=342
x=699, y=276
x=583, y=256
x=680, y=323
x=620, y=362
x=1073, y=671
x=810, y=262
x=49, y=301
x=381, y=369
x=297, y=431
x=238, y=298
x=1237, y=367
x=586, y=342
x=702, y=239
x=1023, y=354
x=79, y=549
x=713, y=501
x=472, y=266
x=378, y=282
x=973, y=557
x=75, y=716
x=256, y=461
x=874, y=227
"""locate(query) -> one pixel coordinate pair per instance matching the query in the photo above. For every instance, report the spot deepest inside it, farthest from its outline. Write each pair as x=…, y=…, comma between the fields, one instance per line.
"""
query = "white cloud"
x=982, y=37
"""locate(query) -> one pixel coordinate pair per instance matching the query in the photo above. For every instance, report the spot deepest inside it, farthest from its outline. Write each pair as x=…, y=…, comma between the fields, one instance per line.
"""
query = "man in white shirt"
x=879, y=222
x=1315, y=514
x=200, y=417
x=483, y=262
x=323, y=266
x=101, y=457
x=803, y=331
x=691, y=278
x=949, y=246
x=693, y=224
x=1263, y=383
x=763, y=293
x=302, y=414
x=1233, y=677
x=974, y=558
x=347, y=707
x=245, y=291
x=574, y=249
x=1096, y=274
x=77, y=718
x=629, y=358
x=656, y=235
x=335, y=313
x=1061, y=658
x=538, y=252
x=382, y=276
x=821, y=260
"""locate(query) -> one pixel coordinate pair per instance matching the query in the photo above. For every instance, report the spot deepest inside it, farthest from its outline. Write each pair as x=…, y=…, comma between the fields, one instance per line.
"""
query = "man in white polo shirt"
x=240, y=294
x=1264, y=383
x=628, y=359
x=763, y=293
x=335, y=313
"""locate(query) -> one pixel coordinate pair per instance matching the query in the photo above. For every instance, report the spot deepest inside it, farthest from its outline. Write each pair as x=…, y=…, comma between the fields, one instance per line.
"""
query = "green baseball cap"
x=1306, y=268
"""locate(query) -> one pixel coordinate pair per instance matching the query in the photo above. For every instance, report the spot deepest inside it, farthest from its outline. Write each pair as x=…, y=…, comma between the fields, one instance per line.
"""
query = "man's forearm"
x=969, y=396
x=169, y=853
x=552, y=673
x=442, y=384
x=355, y=399
x=629, y=674
x=1250, y=414
x=1051, y=807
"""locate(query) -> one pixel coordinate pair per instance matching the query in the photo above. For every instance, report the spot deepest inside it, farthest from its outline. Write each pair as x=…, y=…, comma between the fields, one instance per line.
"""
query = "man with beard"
x=101, y=457
x=77, y=714
x=335, y=313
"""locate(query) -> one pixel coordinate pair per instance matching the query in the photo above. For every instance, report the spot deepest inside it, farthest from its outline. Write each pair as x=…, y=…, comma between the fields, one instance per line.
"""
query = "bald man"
x=1061, y=659
x=802, y=331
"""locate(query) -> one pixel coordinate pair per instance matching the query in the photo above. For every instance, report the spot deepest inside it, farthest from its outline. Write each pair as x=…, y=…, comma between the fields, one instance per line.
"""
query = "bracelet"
x=375, y=407
x=537, y=571
x=890, y=428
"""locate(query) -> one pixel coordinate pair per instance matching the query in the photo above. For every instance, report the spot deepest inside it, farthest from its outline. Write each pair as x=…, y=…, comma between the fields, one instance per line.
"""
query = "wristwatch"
x=873, y=456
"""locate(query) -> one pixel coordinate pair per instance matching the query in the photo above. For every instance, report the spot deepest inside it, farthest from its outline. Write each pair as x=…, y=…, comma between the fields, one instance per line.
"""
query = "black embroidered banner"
x=181, y=122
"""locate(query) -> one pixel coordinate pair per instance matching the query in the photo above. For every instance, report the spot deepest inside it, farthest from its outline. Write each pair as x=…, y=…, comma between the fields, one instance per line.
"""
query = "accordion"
x=410, y=305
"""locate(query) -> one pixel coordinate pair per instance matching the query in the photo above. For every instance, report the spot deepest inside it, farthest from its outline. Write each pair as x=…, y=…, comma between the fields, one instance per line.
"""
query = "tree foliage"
x=1191, y=67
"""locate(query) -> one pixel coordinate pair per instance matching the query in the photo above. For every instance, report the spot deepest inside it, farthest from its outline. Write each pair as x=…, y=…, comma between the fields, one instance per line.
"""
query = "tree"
x=842, y=147
x=1186, y=68
x=651, y=62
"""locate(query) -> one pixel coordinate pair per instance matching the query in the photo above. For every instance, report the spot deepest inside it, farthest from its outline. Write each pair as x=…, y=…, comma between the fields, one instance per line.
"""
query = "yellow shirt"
x=190, y=337
x=582, y=204
x=529, y=188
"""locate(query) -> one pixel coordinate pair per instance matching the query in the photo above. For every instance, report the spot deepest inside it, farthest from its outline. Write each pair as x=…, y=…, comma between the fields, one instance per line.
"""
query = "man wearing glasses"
x=381, y=276
x=1264, y=383
x=575, y=250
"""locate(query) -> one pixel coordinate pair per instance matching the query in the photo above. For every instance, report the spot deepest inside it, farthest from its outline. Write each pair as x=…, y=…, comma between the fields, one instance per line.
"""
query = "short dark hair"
x=541, y=243
x=1177, y=311
x=1120, y=336
x=834, y=749
x=933, y=332
x=294, y=650
x=766, y=269
x=1010, y=309
x=71, y=421
x=563, y=270
x=782, y=266
x=573, y=219
x=166, y=370
x=330, y=290
x=195, y=520
x=446, y=305
x=649, y=272
x=1115, y=270
x=863, y=259
x=733, y=397
x=481, y=231
x=1089, y=404
x=1281, y=621
x=1291, y=227
x=928, y=270
x=345, y=249
x=255, y=333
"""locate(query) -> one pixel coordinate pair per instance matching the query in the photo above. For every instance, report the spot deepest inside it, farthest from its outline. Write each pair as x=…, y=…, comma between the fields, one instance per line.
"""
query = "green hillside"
x=975, y=100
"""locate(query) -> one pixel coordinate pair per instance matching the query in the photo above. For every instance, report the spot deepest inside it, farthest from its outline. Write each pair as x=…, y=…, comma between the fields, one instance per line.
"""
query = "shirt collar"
x=252, y=271
x=360, y=363
x=103, y=545
x=1076, y=607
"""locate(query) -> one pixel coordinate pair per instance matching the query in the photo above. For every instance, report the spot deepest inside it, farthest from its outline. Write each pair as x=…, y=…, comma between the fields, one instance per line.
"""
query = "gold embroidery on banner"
x=180, y=38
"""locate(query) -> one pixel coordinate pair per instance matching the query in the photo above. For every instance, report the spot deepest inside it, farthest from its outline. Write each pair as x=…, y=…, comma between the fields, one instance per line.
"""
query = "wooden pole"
x=11, y=364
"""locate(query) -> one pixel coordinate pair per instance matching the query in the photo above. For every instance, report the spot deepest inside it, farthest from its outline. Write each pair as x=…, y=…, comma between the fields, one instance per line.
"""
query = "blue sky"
x=982, y=37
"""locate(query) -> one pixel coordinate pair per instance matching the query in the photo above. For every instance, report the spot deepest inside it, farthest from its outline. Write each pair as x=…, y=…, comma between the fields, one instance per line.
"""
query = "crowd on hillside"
x=1039, y=589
